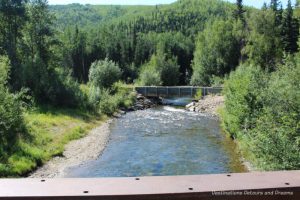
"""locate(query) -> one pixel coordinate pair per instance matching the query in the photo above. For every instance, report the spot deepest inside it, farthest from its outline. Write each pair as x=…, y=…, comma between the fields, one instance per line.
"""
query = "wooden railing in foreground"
x=256, y=185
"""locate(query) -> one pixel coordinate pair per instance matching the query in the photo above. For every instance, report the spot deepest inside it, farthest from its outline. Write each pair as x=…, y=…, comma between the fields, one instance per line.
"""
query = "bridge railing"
x=176, y=91
x=240, y=186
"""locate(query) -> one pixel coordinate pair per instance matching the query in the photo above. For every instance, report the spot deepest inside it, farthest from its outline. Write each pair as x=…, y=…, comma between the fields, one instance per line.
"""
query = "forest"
x=76, y=63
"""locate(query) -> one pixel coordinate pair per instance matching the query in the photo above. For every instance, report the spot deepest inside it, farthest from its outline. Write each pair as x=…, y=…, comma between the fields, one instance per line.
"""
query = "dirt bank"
x=208, y=105
x=76, y=152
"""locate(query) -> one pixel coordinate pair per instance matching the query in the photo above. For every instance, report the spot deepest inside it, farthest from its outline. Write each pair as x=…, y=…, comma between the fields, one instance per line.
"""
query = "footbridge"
x=176, y=91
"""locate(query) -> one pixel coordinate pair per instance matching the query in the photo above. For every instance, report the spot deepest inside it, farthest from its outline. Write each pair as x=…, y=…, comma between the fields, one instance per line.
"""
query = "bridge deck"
x=177, y=91
x=256, y=185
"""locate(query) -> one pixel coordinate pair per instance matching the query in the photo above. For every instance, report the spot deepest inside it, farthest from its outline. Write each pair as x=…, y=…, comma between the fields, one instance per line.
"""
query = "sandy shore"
x=76, y=152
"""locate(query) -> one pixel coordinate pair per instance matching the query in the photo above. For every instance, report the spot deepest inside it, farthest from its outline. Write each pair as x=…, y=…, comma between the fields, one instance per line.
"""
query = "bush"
x=51, y=86
x=65, y=91
x=108, y=103
x=104, y=73
x=275, y=137
x=262, y=112
x=11, y=114
x=150, y=77
x=198, y=94
x=242, y=99
x=104, y=101
x=11, y=120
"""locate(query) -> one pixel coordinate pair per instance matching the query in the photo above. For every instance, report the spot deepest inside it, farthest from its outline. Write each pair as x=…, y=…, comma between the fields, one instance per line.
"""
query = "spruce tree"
x=290, y=30
x=239, y=12
x=274, y=5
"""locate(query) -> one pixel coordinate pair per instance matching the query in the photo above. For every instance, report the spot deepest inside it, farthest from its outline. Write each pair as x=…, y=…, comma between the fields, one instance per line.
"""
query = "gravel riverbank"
x=76, y=152
x=208, y=105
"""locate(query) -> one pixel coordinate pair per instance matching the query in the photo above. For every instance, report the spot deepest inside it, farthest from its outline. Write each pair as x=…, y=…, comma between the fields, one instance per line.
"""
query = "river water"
x=163, y=141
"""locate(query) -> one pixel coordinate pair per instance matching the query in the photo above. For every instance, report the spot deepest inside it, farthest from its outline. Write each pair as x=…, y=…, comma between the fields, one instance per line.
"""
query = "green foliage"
x=276, y=134
x=4, y=70
x=238, y=14
x=49, y=130
x=11, y=114
x=263, y=112
x=290, y=30
x=54, y=87
x=12, y=21
x=150, y=77
x=242, y=91
x=198, y=94
x=160, y=71
x=264, y=46
x=104, y=73
x=216, y=53
x=169, y=70
x=108, y=103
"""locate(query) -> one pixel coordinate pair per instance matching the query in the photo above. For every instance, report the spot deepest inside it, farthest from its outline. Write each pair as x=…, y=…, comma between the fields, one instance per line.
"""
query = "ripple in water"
x=163, y=141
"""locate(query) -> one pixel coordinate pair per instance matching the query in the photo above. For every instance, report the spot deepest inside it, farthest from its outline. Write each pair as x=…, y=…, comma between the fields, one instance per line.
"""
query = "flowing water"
x=163, y=141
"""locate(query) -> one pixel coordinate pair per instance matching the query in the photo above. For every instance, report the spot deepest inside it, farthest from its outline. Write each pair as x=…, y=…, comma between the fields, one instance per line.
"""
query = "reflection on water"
x=163, y=141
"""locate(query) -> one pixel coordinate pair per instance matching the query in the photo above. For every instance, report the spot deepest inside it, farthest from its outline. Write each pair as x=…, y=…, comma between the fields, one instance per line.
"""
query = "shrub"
x=104, y=101
x=262, y=112
x=198, y=94
x=65, y=91
x=150, y=77
x=104, y=73
x=11, y=115
x=275, y=137
x=108, y=103
x=51, y=86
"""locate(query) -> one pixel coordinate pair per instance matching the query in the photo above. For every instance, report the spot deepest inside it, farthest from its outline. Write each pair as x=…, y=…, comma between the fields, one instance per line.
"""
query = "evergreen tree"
x=239, y=12
x=274, y=5
x=12, y=19
x=290, y=30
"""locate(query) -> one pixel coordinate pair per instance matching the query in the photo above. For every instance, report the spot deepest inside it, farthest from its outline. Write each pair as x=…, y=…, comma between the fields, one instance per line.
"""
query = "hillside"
x=91, y=15
x=130, y=34
x=182, y=14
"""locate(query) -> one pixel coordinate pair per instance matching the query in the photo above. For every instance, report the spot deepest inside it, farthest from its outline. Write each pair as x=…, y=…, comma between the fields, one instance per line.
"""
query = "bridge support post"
x=167, y=91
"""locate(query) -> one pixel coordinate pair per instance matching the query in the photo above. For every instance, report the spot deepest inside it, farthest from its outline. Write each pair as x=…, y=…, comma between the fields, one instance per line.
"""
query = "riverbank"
x=47, y=130
x=208, y=105
x=76, y=152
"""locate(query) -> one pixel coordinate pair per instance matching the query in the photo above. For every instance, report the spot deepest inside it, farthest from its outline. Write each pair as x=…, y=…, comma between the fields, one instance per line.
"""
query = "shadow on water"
x=163, y=141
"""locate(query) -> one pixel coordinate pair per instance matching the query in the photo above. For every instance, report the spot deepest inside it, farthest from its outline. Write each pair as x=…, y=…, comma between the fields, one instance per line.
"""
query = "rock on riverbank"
x=143, y=103
x=208, y=105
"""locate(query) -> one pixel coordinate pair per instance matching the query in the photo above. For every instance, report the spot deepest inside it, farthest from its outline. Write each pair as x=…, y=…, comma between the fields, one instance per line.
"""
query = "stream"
x=163, y=141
